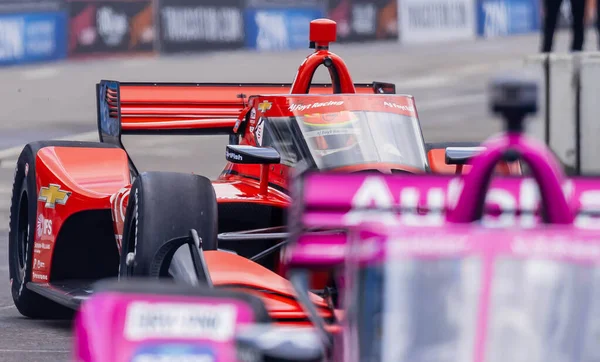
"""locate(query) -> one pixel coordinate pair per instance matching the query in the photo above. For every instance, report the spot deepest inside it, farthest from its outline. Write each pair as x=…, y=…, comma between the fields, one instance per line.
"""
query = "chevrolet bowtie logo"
x=264, y=106
x=52, y=195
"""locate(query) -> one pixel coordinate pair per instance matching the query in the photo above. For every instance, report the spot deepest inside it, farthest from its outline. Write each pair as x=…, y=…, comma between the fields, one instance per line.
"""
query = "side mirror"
x=461, y=155
x=245, y=154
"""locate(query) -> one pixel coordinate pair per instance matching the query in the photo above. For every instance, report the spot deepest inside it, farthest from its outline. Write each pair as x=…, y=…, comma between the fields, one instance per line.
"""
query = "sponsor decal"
x=264, y=106
x=436, y=20
x=32, y=37
x=555, y=246
x=12, y=39
x=36, y=276
x=253, y=114
x=279, y=28
x=260, y=128
x=38, y=264
x=103, y=26
x=364, y=20
x=441, y=14
x=180, y=321
x=200, y=23
x=321, y=250
x=173, y=352
x=42, y=246
x=272, y=31
x=111, y=25
x=333, y=132
x=43, y=226
x=149, y=357
x=430, y=243
x=189, y=25
x=506, y=17
x=233, y=156
x=374, y=196
x=399, y=106
x=53, y=195
x=302, y=107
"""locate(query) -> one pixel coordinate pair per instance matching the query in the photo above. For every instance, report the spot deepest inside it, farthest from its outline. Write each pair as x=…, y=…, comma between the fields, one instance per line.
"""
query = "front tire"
x=163, y=206
x=23, y=212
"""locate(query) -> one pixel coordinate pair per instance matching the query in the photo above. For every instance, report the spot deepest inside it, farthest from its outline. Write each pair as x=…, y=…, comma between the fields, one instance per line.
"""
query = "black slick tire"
x=163, y=206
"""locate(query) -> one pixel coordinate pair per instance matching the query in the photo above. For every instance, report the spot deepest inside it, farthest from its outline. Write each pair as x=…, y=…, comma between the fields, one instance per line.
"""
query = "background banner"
x=364, y=20
x=436, y=20
x=26, y=38
x=286, y=4
x=193, y=26
x=99, y=27
x=274, y=29
x=30, y=6
x=507, y=17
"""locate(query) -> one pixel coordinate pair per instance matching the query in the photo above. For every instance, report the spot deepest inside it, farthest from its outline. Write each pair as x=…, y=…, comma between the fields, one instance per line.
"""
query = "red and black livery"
x=81, y=211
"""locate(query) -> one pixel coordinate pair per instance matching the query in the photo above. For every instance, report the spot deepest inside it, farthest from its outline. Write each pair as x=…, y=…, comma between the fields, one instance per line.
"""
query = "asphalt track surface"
x=58, y=101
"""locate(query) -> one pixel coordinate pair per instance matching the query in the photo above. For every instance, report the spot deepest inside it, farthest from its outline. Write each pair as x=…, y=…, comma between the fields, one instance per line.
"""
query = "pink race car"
x=474, y=268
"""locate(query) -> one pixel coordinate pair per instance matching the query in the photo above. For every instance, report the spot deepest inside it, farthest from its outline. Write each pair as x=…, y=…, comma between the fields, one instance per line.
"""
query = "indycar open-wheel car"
x=437, y=267
x=82, y=211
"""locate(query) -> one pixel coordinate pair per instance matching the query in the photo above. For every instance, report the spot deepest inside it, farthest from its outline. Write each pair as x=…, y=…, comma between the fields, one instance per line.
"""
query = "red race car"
x=81, y=211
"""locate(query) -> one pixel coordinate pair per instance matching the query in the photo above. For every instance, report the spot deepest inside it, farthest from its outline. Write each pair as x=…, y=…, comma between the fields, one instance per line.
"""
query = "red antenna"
x=321, y=33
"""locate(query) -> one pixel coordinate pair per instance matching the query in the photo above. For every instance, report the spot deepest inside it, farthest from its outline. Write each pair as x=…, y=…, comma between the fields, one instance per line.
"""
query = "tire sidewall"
x=143, y=217
x=134, y=238
x=131, y=223
x=25, y=163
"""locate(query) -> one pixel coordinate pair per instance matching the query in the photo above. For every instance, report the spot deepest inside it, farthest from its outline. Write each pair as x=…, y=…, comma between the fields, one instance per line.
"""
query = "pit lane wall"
x=569, y=117
x=34, y=31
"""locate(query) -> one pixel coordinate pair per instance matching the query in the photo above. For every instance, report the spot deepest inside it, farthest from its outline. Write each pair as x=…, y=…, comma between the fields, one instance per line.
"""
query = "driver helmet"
x=332, y=132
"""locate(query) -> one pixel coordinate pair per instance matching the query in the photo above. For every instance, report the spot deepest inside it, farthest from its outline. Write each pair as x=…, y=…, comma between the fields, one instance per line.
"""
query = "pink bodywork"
x=561, y=243
x=487, y=214
x=101, y=327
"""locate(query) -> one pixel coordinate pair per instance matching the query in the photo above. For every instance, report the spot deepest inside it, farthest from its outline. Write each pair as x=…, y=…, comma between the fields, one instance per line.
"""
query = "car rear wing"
x=187, y=108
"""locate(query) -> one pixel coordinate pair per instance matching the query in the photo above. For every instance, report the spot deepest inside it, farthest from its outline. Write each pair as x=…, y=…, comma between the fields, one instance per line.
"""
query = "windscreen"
x=544, y=311
x=419, y=311
x=346, y=138
x=428, y=311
